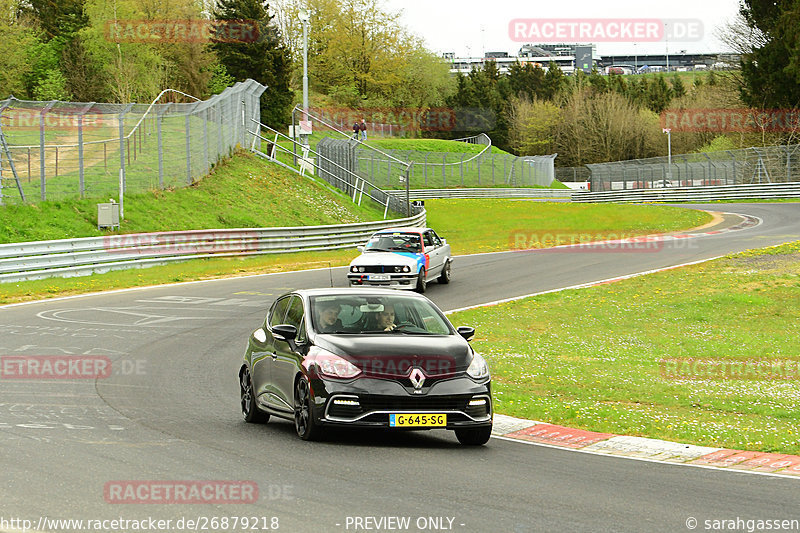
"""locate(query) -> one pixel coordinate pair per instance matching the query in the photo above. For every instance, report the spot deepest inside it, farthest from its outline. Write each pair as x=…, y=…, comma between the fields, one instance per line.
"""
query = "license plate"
x=417, y=420
x=379, y=277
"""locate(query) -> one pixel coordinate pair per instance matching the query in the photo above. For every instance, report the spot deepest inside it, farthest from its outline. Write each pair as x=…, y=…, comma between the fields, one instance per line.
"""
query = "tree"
x=658, y=95
x=678, y=88
x=532, y=126
x=16, y=46
x=526, y=80
x=554, y=81
x=266, y=61
x=771, y=72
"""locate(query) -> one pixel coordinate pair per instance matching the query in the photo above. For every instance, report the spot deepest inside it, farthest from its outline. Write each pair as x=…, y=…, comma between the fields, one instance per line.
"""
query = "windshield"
x=377, y=315
x=394, y=242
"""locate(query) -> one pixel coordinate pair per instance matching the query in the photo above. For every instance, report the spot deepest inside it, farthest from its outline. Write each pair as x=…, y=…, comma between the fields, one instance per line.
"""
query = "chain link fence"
x=67, y=150
x=441, y=170
x=771, y=164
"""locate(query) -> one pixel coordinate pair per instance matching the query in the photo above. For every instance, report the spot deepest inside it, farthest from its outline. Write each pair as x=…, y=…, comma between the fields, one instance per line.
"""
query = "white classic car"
x=402, y=258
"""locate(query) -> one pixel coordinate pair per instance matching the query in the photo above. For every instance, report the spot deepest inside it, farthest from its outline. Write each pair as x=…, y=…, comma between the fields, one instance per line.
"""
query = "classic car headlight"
x=478, y=369
x=362, y=269
x=353, y=268
x=406, y=268
x=331, y=365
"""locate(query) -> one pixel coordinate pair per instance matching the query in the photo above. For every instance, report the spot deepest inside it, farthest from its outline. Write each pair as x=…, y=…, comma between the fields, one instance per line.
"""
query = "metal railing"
x=75, y=150
x=456, y=169
x=695, y=194
x=525, y=192
x=770, y=164
x=78, y=257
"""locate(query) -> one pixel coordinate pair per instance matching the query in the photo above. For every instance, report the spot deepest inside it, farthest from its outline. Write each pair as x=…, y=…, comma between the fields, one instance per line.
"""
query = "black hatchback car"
x=365, y=358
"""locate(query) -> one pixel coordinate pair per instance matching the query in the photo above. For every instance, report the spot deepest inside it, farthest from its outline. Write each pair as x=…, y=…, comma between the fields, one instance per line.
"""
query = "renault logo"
x=417, y=378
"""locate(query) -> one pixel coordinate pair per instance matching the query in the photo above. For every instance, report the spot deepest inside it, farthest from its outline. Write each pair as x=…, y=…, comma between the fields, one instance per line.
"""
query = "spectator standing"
x=363, y=128
x=356, y=129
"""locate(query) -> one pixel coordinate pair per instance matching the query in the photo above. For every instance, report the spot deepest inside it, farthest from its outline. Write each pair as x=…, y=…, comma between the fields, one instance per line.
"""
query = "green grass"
x=241, y=192
x=591, y=358
x=199, y=269
x=454, y=220
x=472, y=226
x=431, y=145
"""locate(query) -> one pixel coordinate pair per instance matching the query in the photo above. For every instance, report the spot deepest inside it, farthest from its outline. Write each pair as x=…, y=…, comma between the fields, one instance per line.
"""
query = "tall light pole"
x=666, y=40
x=303, y=15
x=668, y=131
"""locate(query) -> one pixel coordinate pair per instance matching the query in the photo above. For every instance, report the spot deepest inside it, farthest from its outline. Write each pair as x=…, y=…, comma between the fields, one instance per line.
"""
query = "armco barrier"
x=79, y=257
x=525, y=192
x=695, y=194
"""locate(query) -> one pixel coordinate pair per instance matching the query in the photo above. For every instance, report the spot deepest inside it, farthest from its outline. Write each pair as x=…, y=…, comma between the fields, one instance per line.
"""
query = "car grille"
x=378, y=269
x=368, y=404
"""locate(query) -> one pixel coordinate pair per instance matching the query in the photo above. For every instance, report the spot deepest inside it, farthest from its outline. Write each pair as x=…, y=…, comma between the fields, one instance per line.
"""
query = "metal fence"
x=494, y=192
x=752, y=191
x=76, y=150
x=442, y=169
x=771, y=164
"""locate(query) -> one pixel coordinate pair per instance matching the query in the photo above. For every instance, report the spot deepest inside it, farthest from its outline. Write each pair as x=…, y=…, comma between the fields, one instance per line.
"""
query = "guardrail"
x=527, y=192
x=79, y=257
x=695, y=194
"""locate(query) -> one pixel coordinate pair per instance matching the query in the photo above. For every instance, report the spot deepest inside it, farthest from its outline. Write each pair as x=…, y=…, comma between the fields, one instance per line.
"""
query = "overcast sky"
x=471, y=27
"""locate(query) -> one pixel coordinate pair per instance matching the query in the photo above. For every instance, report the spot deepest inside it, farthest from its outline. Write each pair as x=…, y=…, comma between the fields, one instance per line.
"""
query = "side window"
x=279, y=312
x=428, y=239
x=295, y=317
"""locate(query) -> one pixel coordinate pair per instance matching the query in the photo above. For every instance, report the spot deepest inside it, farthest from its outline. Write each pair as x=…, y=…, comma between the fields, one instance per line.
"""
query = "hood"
x=388, y=259
x=394, y=354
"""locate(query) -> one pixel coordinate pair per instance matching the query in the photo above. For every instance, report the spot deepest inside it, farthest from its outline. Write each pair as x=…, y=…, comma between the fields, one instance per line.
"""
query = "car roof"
x=403, y=230
x=355, y=291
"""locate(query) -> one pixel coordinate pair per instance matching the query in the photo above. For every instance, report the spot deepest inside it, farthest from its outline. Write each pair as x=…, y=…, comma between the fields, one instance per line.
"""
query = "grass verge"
x=472, y=226
x=448, y=217
x=241, y=192
x=598, y=358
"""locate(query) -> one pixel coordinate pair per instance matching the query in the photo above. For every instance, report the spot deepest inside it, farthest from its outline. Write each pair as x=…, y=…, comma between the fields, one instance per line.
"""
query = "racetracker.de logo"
x=55, y=367
x=182, y=31
x=412, y=118
x=738, y=120
x=635, y=30
x=182, y=242
x=62, y=118
x=180, y=492
x=566, y=241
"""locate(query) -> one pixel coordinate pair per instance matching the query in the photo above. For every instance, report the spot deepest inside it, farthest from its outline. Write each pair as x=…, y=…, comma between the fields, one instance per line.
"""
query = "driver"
x=329, y=316
x=385, y=318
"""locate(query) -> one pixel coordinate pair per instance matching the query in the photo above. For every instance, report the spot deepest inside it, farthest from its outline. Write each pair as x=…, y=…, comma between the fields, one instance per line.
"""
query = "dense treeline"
x=70, y=50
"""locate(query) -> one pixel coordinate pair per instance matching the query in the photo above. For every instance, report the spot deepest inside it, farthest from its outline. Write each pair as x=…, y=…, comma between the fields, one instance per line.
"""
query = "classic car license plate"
x=417, y=420
x=379, y=277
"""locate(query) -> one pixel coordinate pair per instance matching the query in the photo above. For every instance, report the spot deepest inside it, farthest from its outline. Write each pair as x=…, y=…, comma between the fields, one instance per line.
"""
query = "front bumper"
x=395, y=281
x=368, y=402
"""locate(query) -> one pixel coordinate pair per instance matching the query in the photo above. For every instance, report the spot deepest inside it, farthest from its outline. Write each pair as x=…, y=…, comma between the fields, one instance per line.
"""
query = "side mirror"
x=260, y=336
x=360, y=248
x=466, y=332
x=444, y=241
x=284, y=332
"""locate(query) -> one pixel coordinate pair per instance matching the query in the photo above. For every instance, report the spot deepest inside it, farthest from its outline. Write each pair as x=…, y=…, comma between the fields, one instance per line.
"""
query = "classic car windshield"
x=379, y=315
x=394, y=242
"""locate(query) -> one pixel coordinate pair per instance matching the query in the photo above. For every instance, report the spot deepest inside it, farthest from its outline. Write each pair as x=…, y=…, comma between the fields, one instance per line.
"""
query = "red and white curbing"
x=508, y=427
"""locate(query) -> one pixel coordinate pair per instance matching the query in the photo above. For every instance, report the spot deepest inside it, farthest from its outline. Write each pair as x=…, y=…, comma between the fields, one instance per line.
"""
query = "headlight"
x=478, y=369
x=353, y=269
x=406, y=268
x=361, y=269
x=331, y=365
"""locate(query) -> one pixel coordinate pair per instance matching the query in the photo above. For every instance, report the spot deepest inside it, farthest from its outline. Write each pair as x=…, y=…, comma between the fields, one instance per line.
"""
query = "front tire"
x=474, y=437
x=304, y=423
x=250, y=412
x=421, y=283
x=444, y=278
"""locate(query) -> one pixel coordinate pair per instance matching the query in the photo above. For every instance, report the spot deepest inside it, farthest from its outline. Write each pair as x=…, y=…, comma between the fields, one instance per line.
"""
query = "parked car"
x=402, y=258
x=370, y=358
